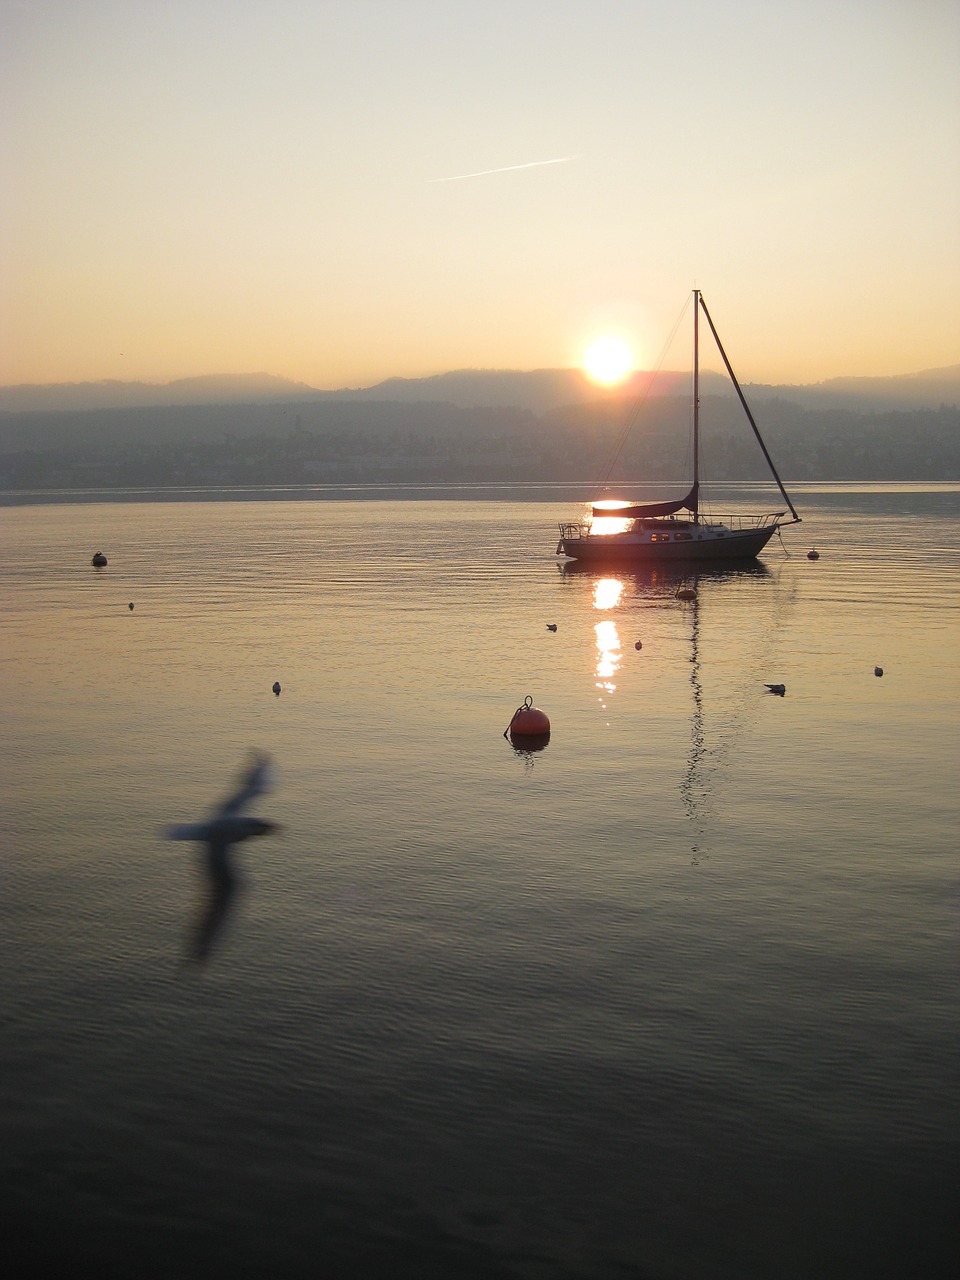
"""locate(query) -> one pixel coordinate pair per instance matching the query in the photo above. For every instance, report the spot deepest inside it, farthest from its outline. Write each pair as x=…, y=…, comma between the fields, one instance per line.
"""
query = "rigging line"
x=634, y=414
x=746, y=409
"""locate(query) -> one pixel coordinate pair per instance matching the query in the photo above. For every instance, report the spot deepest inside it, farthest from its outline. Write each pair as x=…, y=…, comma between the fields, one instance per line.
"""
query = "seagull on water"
x=227, y=827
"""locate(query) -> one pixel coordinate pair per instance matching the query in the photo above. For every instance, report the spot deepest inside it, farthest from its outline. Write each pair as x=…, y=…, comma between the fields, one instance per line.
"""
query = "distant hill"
x=356, y=439
x=537, y=391
x=71, y=397
x=928, y=389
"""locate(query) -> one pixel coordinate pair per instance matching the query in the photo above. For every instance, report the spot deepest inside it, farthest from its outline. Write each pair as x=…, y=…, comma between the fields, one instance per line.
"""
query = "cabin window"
x=684, y=537
x=659, y=537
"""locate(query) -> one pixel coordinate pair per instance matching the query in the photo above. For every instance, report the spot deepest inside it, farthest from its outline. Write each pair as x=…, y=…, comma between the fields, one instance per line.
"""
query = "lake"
x=674, y=996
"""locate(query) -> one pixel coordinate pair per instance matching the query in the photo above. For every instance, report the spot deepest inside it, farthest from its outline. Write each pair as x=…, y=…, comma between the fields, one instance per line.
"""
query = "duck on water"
x=659, y=532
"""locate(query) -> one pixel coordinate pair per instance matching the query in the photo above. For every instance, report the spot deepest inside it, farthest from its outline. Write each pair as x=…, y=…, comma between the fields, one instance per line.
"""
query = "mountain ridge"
x=538, y=390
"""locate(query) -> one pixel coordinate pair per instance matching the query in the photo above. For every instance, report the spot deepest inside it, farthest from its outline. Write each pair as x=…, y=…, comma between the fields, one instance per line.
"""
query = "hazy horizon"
x=265, y=376
x=342, y=194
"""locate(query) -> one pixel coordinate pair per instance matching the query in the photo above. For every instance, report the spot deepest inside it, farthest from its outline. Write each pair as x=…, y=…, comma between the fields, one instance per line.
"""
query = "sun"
x=608, y=360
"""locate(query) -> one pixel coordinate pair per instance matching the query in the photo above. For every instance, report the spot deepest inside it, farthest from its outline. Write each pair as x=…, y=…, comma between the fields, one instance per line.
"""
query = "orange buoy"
x=528, y=721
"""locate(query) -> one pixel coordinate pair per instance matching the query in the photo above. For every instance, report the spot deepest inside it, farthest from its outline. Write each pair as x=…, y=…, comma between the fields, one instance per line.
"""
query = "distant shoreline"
x=560, y=492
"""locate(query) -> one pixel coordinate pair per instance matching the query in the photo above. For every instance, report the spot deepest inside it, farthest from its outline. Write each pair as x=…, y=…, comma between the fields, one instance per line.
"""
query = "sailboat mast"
x=696, y=403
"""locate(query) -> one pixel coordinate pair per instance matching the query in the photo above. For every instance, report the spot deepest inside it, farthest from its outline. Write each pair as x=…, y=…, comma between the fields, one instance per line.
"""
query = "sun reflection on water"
x=608, y=654
x=606, y=595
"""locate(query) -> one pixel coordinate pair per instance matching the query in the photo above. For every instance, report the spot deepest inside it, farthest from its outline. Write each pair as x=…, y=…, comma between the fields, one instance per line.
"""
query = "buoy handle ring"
x=527, y=706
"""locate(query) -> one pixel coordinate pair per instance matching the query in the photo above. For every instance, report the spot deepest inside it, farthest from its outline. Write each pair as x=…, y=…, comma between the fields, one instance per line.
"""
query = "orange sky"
x=344, y=192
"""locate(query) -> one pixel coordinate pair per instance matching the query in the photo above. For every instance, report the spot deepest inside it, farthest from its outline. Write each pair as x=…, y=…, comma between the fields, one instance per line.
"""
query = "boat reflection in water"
x=656, y=582
x=744, y=605
x=693, y=788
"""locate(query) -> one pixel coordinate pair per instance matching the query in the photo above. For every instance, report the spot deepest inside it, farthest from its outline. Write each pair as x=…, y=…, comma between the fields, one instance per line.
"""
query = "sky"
x=342, y=191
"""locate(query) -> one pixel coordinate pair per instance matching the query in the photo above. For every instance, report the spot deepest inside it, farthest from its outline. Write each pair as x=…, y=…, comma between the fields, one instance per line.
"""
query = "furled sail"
x=648, y=509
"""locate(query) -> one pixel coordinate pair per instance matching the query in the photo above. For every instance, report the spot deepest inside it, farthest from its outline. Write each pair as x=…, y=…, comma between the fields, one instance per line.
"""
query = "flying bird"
x=551, y=626
x=228, y=826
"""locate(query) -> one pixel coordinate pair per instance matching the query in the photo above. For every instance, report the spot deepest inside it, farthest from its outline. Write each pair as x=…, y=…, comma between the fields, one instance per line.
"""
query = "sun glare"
x=607, y=593
x=608, y=360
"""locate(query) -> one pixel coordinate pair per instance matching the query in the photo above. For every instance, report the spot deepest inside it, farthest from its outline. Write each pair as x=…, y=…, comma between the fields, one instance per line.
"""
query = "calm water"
x=675, y=997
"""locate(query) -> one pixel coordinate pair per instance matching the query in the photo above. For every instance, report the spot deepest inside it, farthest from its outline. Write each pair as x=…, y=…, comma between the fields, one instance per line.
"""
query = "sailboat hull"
x=658, y=532
x=709, y=543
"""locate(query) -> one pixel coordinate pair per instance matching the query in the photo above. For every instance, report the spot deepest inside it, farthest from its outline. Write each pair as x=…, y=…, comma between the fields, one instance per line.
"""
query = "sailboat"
x=658, y=532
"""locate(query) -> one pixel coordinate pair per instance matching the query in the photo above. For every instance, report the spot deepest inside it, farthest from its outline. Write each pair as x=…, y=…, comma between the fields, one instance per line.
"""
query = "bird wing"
x=253, y=782
x=188, y=831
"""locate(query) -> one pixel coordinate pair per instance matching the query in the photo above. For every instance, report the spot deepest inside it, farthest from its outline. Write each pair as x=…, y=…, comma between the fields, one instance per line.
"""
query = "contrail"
x=508, y=168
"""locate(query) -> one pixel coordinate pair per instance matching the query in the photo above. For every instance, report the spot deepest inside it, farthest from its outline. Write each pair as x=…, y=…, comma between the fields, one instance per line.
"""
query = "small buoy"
x=528, y=721
x=686, y=593
x=878, y=671
x=778, y=689
x=551, y=626
x=130, y=605
x=813, y=555
x=99, y=560
x=276, y=687
x=638, y=645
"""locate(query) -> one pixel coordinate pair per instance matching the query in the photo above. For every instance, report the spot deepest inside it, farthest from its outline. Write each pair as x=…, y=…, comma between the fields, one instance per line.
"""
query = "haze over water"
x=674, y=997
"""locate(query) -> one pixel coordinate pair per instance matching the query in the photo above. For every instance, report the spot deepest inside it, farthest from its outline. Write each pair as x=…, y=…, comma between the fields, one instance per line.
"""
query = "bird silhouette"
x=228, y=826
x=778, y=689
x=551, y=626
